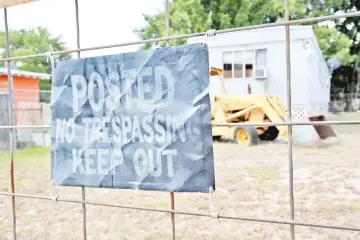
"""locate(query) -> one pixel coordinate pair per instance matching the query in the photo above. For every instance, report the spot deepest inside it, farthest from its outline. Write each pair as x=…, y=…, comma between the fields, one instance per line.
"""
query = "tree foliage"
x=350, y=26
x=32, y=41
x=334, y=44
x=235, y=13
x=187, y=16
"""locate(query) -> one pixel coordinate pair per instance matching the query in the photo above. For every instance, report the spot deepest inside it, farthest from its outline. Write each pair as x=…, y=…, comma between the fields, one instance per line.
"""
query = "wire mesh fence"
x=244, y=188
x=344, y=102
x=29, y=110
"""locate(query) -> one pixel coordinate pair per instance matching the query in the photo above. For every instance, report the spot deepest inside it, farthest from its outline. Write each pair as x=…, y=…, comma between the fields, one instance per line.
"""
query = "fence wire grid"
x=36, y=117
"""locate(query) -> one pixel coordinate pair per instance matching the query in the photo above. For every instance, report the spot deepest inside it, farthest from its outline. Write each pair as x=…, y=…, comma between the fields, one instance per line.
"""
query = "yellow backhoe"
x=226, y=108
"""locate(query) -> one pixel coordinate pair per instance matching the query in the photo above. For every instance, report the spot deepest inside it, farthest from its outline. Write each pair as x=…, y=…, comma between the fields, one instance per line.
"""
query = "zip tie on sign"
x=211, y=33
x=56, y=193
x=212, y=214
x=49, y=56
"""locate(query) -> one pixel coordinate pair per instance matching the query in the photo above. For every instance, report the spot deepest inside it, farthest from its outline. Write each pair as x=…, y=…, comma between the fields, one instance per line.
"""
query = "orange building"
x=26, y=92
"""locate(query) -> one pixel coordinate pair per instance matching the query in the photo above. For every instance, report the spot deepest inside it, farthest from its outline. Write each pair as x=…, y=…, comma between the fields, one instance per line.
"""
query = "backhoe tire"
x=270, y=134
x=216, y=138
x=246, y=136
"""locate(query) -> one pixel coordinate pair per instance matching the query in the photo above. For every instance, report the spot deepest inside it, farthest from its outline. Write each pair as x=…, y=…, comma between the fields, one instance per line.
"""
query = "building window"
x=260, y=58
x=238, y=65
x=249, y=63
x=242, y=64
x=228, y=62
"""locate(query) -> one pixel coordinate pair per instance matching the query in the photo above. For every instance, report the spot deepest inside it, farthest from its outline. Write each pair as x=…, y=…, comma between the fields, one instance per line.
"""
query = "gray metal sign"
x=136, y=120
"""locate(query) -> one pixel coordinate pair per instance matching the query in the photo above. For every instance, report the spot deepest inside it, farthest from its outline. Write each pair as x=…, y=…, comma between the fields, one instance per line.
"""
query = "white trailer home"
x=255, y=60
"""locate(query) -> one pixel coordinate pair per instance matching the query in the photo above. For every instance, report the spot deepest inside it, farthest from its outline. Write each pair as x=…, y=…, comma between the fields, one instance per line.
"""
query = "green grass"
x=28, y=158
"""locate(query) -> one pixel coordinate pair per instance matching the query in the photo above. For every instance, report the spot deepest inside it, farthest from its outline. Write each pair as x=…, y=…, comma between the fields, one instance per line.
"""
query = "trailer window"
x=249, y=63
x=238, y=65
x=228, y=62
x=241, y=64
x=260, y=58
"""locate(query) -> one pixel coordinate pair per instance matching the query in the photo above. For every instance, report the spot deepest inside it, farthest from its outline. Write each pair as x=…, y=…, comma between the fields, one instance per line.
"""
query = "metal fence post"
x=172, y=214
x=83, y=193
x=167, y=20
x=290, y=142
x=12, y=134
x=172, y=197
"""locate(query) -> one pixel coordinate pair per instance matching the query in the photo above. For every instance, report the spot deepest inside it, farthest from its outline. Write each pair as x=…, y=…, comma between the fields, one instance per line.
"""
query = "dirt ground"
x=250, y=182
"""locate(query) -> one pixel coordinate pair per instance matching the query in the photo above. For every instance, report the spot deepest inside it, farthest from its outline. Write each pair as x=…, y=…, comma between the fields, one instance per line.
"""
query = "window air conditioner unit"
x=261, y=73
